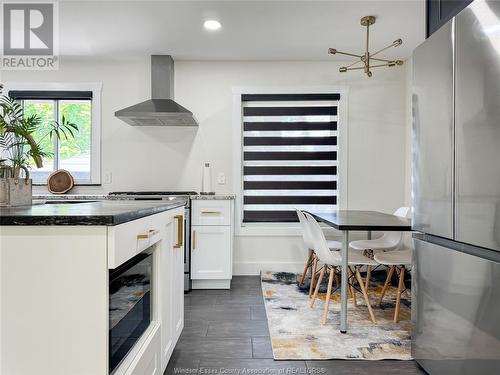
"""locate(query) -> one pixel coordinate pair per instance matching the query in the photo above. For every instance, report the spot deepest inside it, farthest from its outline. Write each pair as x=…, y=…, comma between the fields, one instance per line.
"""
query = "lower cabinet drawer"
x=211, y=212
x=129, y=239
x=211, y=256
x=147, y=361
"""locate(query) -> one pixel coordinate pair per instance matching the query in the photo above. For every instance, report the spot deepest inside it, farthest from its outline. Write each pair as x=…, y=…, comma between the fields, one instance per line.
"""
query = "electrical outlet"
x=221, y=178
x=108, y=177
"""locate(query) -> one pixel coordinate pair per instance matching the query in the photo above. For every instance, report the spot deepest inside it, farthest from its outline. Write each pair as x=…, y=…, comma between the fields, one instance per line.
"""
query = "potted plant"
x=19, y=147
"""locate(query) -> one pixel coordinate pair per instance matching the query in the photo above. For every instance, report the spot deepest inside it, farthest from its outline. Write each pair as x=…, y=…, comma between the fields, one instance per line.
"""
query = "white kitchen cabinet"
x=212, y=244
x=76, y=262
x=178, y=278
x=211, y=252
x=165, y=294
x=171, y=285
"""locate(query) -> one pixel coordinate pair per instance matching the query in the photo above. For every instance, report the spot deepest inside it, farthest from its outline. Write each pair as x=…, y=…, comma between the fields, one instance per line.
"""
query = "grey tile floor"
x=226, y=332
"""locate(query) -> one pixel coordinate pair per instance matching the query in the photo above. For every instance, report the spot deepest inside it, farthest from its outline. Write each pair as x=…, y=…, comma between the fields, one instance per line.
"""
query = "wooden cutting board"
x=60, y=182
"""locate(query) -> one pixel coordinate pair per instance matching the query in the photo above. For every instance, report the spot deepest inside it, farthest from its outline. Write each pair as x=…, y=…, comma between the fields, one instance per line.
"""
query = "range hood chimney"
x=161, y=109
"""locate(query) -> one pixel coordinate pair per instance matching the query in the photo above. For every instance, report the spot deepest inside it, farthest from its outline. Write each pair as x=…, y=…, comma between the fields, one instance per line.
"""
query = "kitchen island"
x=60, y=312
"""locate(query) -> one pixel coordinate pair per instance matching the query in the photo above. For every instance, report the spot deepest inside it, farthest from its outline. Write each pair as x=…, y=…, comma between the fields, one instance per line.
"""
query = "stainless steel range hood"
x=161, y=109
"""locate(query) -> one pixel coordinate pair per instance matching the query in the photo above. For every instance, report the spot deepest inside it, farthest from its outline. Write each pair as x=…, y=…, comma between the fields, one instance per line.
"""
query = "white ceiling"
x=251, y=30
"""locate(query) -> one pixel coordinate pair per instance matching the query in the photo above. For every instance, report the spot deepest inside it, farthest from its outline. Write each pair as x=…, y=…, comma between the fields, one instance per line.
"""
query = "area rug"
x=297, y=333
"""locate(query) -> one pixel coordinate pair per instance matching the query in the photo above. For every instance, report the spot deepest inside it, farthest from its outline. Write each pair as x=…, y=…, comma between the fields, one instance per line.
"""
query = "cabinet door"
x=477, y=124
x=210, y=252
x=441, y=11
x=432, y=153
x=165, y=289
x=178, y=278
x=148, y=361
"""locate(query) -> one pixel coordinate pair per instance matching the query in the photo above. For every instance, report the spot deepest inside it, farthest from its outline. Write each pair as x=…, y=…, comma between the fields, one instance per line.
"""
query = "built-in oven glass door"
x=130, y=305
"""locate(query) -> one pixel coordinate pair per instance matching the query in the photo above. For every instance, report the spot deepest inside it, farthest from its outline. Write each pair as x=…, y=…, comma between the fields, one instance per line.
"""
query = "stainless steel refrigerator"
x=456, y=195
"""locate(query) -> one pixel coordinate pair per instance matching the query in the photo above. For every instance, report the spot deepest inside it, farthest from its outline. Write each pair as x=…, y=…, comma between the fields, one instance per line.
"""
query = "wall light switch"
x=108, y=177
x=221, y=178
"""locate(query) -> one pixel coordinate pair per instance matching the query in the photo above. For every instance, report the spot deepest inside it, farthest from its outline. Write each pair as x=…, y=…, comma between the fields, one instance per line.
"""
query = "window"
x=79, y=154
x=290, y=155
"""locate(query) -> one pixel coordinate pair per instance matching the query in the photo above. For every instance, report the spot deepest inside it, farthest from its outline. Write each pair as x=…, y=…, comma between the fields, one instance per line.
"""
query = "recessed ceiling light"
x=212, y=25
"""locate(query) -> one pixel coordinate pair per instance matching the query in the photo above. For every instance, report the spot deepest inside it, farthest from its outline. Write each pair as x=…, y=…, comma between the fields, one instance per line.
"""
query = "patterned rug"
x=297, y=333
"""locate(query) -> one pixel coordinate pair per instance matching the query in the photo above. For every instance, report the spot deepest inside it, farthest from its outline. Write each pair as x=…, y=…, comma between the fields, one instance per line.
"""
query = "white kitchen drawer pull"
x=194, y=239
x=211, y=212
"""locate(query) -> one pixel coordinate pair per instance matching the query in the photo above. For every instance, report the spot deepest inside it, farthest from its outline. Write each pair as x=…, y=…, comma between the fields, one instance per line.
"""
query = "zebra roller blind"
x=289, y=155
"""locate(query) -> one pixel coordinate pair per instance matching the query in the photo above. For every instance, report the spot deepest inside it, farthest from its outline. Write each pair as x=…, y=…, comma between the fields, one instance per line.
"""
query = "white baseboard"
x=212, y=284
x=254, y=268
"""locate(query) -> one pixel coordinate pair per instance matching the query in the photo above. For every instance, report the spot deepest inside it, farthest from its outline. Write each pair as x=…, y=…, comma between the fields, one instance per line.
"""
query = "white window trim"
x=284, y=229
x=96, y=88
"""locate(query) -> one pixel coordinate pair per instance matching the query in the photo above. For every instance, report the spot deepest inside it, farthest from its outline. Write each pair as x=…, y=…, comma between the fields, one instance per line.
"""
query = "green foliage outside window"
x=76, y=112
x=19, y=132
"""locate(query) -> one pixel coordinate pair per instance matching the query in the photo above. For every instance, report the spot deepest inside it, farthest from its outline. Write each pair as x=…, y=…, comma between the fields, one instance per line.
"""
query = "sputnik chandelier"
x=367, y=58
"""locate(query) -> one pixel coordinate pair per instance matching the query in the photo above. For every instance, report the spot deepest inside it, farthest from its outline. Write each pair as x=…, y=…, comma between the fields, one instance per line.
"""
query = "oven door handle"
x=180, y=231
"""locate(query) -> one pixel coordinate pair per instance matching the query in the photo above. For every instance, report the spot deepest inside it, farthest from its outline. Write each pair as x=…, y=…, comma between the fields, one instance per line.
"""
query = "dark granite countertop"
x=105, y=212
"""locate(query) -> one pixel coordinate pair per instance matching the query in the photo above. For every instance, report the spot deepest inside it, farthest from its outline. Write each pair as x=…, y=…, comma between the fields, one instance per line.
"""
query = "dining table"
x=354, y=220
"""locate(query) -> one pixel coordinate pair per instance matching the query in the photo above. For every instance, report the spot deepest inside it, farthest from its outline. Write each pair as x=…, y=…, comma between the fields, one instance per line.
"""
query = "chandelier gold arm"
x=391, y=63
x=354, y=63
x=396, y=43
x=344, y=69
x=333, y=51
x=377, y=59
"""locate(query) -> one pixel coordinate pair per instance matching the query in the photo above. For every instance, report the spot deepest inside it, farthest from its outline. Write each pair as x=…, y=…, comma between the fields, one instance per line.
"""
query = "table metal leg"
x=345, y=280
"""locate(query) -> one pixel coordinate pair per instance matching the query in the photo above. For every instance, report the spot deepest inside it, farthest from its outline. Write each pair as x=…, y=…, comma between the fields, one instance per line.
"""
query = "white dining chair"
x=387, y=242
x=332, y=262
x=396, y=260
x=309, y=249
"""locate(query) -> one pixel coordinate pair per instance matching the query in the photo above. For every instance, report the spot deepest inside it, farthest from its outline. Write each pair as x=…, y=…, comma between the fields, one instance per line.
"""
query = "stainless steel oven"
x=166, y=195
x=130, y=305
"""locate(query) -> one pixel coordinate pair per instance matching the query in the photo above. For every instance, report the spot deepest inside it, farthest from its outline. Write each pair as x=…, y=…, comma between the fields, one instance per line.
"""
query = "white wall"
x=171, y=158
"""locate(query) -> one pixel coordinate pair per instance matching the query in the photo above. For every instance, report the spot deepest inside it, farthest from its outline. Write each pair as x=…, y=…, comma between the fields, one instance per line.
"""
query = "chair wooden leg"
x=368, y=276
x=351, y=288
x=367, y=299
x=337, y=279
x=386, y=285
x=328, y=294
x=308, y=264
x=318, y=285
x=315, y=266
x=400, y=290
